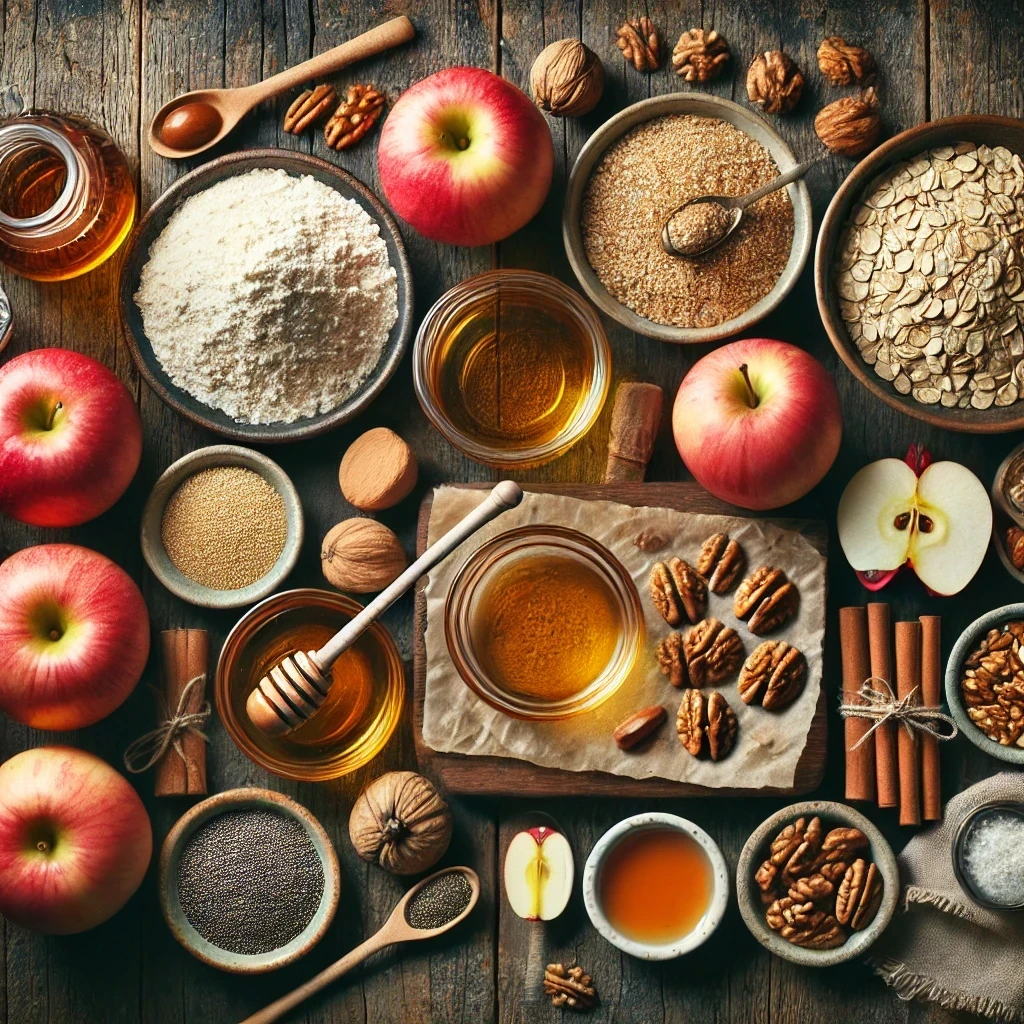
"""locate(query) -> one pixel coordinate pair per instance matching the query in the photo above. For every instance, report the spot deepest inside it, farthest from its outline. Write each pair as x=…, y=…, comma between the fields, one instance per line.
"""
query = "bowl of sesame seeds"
x=222, y=527
x=644, y=163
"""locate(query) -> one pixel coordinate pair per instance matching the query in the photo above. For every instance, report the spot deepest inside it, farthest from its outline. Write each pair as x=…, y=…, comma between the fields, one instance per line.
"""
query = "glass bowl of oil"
x=512, y=367
x=360, y=712
x=543, y=623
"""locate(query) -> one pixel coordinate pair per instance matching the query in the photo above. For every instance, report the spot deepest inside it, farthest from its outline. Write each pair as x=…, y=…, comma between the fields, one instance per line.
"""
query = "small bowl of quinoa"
x=641, y=165
x=222, y=527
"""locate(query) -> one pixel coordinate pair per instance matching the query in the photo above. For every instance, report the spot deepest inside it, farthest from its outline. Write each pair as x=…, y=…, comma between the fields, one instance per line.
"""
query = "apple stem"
x=53, y=415
x=752, y=398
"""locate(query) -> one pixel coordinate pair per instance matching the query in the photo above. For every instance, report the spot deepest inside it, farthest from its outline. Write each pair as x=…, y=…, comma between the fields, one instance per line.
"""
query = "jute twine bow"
x=878, y=702
x=151, y=747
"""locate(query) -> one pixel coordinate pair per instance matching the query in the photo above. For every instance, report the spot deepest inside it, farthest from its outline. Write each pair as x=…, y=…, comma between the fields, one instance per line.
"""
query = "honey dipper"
x=294, y=689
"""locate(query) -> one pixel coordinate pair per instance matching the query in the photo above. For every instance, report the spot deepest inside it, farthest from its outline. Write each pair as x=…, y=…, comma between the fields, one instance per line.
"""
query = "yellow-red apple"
x=75, y=840
x=70, y=438
x=465, y=157
x=74, y=636
x=538, y=873
x=757, y=422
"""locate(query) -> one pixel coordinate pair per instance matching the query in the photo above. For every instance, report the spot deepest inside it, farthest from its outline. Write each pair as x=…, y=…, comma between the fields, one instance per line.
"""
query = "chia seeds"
x=439, y=901
x=250, y=881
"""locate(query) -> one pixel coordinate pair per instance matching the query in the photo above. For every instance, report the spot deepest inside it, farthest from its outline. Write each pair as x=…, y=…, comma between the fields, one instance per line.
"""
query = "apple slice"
x=538, y=873
x=939, y=522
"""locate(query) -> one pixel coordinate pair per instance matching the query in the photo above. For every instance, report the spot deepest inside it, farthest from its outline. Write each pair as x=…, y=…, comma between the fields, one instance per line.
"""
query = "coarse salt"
x=994, y=858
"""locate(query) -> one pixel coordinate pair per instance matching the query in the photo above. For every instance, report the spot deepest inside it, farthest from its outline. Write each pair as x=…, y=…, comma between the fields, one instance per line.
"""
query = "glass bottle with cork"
x=67, y=200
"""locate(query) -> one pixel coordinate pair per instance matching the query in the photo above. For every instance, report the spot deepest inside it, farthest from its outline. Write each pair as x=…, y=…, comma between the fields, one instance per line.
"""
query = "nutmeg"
x=775, y=82
x=567, y=78
x=850, y=126
x=378, y=470
x=362, y=556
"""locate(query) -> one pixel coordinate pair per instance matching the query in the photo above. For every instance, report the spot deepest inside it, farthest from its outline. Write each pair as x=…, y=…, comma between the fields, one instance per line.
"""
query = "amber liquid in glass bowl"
x=362, y=708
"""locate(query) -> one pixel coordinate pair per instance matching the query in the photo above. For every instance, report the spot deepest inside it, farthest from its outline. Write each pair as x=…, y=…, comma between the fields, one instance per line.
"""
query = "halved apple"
x=538, y=873
x=938, y=522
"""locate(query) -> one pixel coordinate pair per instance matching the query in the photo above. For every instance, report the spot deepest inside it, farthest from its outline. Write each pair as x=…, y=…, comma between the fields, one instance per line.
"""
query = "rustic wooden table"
x=118, y=61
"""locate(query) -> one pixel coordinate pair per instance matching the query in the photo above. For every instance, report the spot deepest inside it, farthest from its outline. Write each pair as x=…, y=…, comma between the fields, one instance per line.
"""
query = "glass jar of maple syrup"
x=67, y=200
x=362, y=707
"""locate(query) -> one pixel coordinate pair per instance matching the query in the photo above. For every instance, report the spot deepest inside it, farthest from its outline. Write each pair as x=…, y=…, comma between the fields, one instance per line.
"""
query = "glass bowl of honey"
x=543, y=623
x=362, y=708
x=512, y=367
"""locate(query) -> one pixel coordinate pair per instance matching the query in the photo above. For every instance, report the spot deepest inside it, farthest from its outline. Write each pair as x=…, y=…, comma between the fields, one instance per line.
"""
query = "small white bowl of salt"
x=988, y=855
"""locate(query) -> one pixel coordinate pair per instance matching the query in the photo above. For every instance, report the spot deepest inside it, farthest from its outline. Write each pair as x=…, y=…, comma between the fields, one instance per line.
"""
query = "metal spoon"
x=396, y=929
x=735, y=204
x=230, y=105
x=6, y=320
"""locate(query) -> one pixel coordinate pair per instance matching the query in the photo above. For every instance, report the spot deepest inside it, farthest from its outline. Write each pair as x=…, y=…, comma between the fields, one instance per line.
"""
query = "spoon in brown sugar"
x=700, y=225
x=197, y=120
x=397, y=928
x=294, y=689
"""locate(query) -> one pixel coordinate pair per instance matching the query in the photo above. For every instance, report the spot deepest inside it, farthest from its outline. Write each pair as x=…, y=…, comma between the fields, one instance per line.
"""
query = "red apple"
x=757, y=422
x=75, y=840
x=70, y=438
x=74, y=636
x=465, y=157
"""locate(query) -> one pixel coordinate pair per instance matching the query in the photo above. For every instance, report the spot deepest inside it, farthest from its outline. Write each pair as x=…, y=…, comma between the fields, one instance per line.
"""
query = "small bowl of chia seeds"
x=249, y=881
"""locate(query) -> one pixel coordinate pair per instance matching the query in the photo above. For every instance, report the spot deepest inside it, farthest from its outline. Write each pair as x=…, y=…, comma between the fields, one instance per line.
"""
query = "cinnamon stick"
x=931, y=696
x=636, y=417
x=186, y=654
x=880, y=643
x=908, y=679
x=856, y=655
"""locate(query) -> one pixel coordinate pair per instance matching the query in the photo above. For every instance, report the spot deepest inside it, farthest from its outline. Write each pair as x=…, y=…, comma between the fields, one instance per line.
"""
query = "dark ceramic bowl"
x=991, y=130
x=154, y=222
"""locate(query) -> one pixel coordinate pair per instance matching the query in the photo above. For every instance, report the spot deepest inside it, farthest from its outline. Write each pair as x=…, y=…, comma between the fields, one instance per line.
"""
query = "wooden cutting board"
x=502, y=776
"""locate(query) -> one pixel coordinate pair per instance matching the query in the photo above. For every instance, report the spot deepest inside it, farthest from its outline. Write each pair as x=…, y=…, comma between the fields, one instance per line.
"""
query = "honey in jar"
x=655, y=885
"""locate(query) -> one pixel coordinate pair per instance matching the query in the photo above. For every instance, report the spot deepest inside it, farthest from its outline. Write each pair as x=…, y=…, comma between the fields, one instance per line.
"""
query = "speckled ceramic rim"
x=152, y=516
x=170, y=855
x=700, y=105
x=749, y=896
x=954, y=698
x=652, y=822
x=960, y=841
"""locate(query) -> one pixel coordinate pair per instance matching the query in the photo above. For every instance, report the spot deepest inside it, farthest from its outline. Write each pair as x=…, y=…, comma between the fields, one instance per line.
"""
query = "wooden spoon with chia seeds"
x=431, y=907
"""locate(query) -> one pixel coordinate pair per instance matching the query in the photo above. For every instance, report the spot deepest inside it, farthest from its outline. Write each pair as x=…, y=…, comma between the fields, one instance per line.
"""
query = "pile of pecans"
x=992, y=684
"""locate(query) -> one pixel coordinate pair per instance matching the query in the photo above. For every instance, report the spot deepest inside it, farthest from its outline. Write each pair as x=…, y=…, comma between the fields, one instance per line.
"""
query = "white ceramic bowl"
x=707, y=924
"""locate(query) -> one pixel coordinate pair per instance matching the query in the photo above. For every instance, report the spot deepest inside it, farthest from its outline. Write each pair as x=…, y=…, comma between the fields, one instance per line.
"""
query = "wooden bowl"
x=748, y=895
x=170, y=856
x=1004, y=513
x=700, y=105
x=154, y=222
x=988, y=129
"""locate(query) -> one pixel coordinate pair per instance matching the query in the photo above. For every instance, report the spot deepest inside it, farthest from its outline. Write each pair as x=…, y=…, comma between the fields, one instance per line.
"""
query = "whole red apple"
x=465, y=157
x=75, y=840
x=74, y=636
x=757, y=422
x=70, y=438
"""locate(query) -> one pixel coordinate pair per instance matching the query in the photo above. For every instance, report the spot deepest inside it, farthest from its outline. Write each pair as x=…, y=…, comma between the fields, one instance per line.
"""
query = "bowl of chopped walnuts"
x=817, y=883
x=985, y=683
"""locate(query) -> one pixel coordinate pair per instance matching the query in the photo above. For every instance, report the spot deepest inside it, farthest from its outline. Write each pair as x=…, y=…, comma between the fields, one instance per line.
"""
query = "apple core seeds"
x=642, y=179
x=224, y=527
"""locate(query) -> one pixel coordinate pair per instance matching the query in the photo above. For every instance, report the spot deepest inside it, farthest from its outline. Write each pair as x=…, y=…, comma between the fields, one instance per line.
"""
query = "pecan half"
x=804, y=858
x=755, y=588
x=721, y=563
x=786, y=843
x=842, y=844
x=677, y=592
x=773, y=675
x=767, y=598
x=640, y=43
x=672, y=659
x=355, y=116
x=308, y=107
x=691, y=720
x=766, y=878
x=713, y=652
x=722, y=727
x=860, y=895
x=638, y=726
x=812, y=889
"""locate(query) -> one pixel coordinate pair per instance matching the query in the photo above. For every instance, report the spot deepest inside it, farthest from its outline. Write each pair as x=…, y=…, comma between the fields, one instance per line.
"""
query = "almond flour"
x=268, y=296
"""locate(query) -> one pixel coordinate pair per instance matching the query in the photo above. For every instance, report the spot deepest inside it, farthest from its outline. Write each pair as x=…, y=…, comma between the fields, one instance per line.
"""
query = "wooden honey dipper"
x=294, y=689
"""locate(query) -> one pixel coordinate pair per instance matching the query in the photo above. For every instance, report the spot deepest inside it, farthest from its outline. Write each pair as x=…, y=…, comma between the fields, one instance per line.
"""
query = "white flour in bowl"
x=269, y=296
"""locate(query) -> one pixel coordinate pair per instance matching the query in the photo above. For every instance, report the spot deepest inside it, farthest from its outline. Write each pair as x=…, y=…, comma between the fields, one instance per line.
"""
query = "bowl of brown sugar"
x=222, y=527
x=641, y=165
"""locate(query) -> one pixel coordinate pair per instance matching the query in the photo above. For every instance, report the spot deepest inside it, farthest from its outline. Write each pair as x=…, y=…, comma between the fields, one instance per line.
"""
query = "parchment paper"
x=769, y=743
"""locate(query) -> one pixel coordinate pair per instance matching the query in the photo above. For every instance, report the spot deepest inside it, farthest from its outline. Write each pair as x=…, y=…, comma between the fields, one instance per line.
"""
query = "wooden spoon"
x=230, y=105
x=396, y=929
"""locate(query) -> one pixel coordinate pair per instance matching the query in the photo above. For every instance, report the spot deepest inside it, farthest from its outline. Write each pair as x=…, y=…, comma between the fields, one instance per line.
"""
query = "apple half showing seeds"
x=538, y=873
x=935, y=517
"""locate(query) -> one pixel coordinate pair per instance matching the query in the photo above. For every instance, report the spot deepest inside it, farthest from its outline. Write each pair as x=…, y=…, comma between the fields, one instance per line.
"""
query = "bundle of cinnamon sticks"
x=894, y=765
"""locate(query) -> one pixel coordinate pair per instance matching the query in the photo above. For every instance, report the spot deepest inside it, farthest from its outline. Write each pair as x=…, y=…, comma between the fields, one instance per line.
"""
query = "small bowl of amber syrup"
x=362, y=708
x=543, y=623
x=512, y=367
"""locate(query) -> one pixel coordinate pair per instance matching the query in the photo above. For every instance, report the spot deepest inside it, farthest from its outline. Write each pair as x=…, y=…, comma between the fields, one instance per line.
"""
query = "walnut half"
x=774, y=82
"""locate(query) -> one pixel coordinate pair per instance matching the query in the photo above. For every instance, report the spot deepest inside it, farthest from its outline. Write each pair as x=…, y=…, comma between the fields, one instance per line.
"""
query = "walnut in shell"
x=774, y=82
x=850, y=126
x=567, y=78
x=842, y=63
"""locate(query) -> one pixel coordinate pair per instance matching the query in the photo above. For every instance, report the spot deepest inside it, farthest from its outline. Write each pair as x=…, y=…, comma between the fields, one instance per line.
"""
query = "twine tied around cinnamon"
x=878, y=702
x=152, y=746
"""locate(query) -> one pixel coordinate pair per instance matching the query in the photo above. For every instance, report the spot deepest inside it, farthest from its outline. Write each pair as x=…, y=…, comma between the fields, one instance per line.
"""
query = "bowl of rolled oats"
x=985, y=683
x=919, y=273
